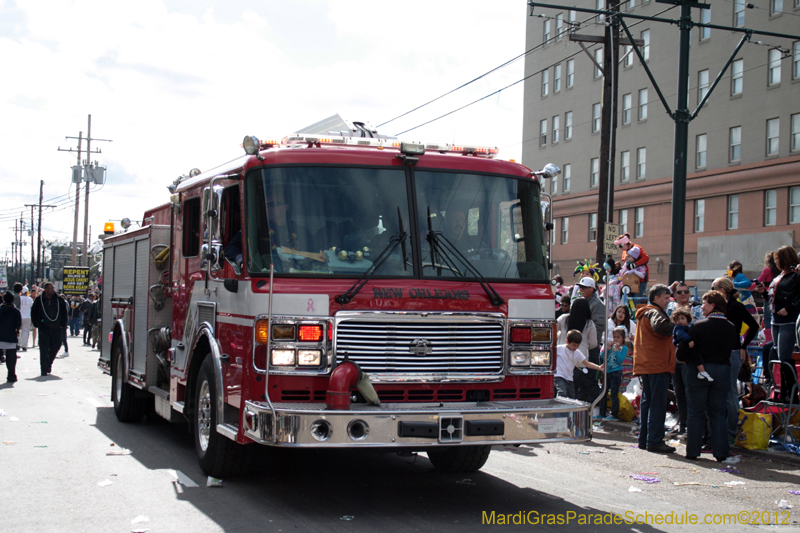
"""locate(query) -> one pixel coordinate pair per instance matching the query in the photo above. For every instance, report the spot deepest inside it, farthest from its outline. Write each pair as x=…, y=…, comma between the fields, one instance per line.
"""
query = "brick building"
x=743, y=185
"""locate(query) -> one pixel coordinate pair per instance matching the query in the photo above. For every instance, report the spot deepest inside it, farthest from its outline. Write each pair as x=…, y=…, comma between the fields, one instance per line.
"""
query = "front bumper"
x=418, y=425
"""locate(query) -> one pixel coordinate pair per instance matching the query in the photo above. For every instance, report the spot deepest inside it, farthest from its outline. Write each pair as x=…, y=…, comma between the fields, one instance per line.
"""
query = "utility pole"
x=38, y=255
x=608, y=136
x=77, y=196
x=83, y=173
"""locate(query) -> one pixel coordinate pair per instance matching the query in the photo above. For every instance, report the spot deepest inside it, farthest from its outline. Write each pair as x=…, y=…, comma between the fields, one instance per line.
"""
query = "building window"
x=795, y=132
x=628, y=57
x=594, y=175
x=796, y=59
x=624, y=166
x=598, y=60
x=545, y=82
x=638, y=224
x=733, y=211
x=568, y=125
x=641, y=162
x=705, y=18
x=702, y=85
x=601, y=6
x=631, y=4
x=737, y=76
x=774, y=66
x=596, y=117
x=738, y=13
x=567, y=173
x=572, y=16
x=556, y=128
x=775, y=6
x=570, y=73
x=700, y=160
x=592, y=227
x=623, y=221
x=564, y=230
x=543, y=132
x=557, y=78
x=643, y=104
x=559, y=25
x=794, y=205
x=773, y=127
x=546, y=31
x=699, y=215
x=770, y=207
x=554, y=185
x=735, y=143
x=646, y=47
x=627, y=105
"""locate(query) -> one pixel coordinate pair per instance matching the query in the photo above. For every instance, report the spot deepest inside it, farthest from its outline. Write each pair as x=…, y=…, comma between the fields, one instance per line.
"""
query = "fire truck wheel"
x=459, y=458
x=127, y=406
x=219, y=456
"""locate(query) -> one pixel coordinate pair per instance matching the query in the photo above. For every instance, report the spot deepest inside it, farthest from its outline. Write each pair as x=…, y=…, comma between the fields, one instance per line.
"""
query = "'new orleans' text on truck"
x=342, y=290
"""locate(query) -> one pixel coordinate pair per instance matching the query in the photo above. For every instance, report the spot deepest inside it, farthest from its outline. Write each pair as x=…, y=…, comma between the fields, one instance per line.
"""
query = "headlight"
x=309, y=357
x=540, y=358
x=283, y=357
x=520, y=358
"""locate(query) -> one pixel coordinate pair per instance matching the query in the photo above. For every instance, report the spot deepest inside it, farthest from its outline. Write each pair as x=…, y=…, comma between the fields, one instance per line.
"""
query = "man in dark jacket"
x=10, y=322
x=49, y=315
x=86, y=306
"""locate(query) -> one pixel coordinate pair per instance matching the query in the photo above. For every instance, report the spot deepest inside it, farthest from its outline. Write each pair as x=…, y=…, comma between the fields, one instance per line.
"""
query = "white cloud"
x=177, y=84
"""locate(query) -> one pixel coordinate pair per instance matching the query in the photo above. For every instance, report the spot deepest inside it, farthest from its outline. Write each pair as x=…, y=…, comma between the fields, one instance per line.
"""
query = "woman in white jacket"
x=578, y=318
x=620, y=317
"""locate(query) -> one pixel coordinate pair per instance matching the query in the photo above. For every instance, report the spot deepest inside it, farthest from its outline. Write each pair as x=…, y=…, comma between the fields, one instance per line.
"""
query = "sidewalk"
x=780, y=456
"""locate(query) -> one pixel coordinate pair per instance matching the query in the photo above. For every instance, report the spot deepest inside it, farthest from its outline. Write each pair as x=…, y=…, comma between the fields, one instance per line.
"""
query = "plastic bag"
x=754, y=430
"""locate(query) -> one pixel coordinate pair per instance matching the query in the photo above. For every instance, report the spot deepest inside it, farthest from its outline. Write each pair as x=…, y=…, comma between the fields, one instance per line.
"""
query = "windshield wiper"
x=438, y=240
x=396, y=240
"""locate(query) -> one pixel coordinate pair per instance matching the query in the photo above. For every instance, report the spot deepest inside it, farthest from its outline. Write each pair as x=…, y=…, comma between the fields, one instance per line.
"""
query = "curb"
x=778, y=456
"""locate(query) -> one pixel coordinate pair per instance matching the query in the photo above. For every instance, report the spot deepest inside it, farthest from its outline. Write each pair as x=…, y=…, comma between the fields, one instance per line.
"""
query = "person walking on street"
x=95, y=318
x=49, y=313
x=86, y=306
x=26, y=302
x=654, y=363
x=10, y=322
x=74, y=316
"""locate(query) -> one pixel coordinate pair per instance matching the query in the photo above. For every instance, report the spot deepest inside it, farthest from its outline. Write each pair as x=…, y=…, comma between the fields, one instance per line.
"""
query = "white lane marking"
x=94, y=402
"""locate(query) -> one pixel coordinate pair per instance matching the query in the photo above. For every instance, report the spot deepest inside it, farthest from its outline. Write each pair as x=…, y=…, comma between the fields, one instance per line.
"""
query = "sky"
x=177, y=84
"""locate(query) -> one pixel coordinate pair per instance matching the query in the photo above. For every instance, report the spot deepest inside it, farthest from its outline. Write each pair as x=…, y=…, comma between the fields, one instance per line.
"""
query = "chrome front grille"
x=441, y=345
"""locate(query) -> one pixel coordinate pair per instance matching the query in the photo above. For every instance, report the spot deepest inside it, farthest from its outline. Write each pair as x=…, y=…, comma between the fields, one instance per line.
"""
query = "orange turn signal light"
x=262, y=331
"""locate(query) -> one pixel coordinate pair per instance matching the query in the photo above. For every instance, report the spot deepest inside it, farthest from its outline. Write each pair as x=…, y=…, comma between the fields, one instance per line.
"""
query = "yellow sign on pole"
x=611, y=234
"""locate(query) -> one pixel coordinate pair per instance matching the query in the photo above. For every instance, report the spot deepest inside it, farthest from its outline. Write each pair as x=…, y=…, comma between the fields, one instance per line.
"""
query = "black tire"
x=127, y=406
x=219, y=456
x=459, y=458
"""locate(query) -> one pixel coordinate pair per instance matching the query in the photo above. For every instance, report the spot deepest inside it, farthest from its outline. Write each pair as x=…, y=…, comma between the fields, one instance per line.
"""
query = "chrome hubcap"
x=204, y=416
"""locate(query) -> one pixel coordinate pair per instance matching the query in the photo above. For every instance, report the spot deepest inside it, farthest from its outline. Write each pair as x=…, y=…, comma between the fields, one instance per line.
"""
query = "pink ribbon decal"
x=310, y=307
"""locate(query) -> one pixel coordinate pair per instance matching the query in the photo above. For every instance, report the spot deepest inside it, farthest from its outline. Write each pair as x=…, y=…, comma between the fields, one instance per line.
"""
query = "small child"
x=614, y=356
x=568, y=356
x=680, y=338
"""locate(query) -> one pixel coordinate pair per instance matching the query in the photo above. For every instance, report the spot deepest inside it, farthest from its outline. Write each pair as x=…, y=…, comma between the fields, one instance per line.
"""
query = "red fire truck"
x=339, y=290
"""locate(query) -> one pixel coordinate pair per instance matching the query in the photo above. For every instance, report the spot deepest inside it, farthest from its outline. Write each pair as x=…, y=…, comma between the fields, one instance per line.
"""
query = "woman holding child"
x=714, y=337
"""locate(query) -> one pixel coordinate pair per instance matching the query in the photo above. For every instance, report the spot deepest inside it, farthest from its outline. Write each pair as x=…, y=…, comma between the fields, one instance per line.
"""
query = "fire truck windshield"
x=325, y=220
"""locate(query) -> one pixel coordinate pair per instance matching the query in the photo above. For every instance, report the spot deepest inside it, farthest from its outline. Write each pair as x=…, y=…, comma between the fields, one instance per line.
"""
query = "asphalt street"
x=69, y=465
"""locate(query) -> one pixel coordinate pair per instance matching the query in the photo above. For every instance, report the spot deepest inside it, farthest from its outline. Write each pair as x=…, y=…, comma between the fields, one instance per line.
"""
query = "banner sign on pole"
x=76, y=280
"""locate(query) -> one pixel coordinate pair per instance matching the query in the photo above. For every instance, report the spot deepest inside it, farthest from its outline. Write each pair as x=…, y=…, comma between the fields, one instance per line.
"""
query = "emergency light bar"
x=299, y=139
